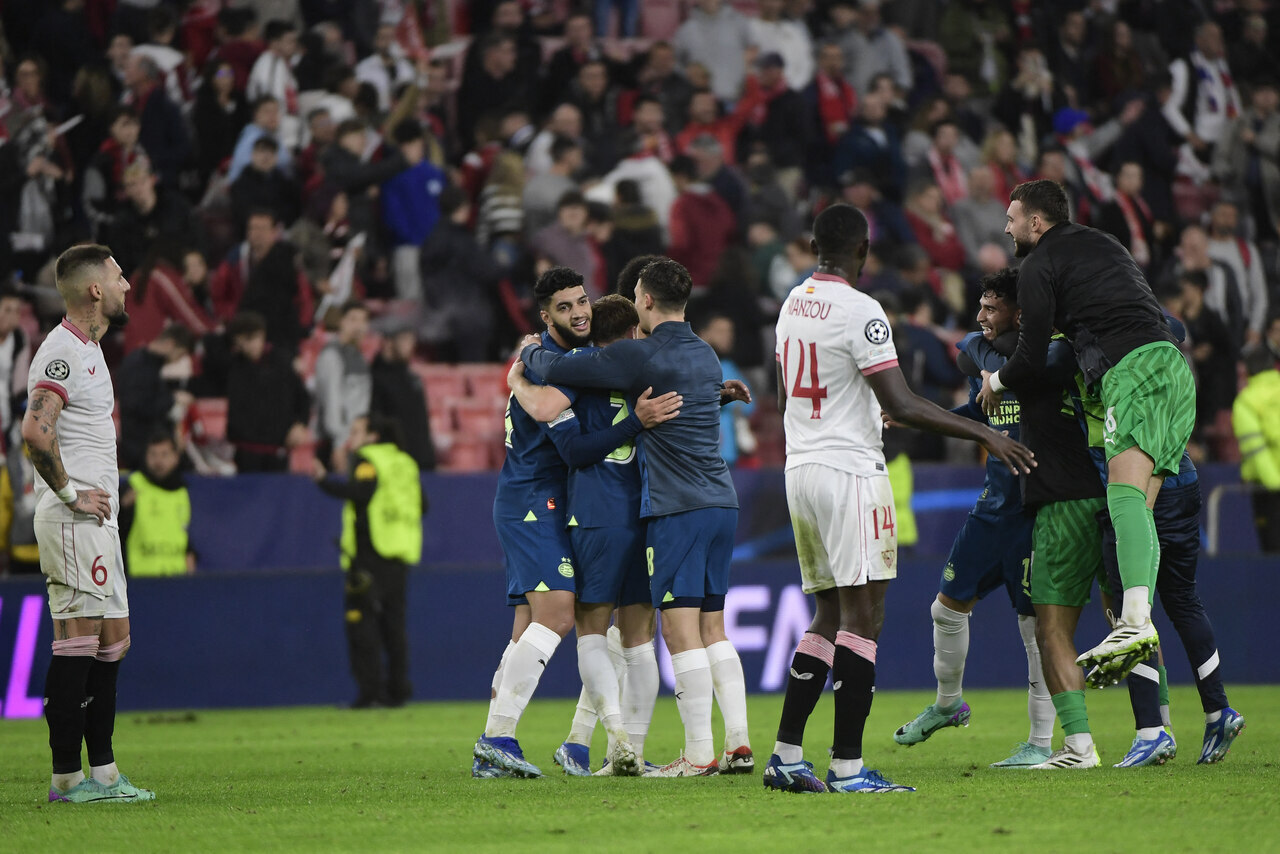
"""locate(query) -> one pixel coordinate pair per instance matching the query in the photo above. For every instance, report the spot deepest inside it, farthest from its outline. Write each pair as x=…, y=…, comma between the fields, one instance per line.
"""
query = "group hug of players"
x=613, y=490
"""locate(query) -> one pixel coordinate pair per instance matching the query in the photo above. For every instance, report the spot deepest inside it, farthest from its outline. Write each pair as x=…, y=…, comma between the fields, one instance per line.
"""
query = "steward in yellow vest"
x=156, y=515
x=381, y=539
x=1255, y=416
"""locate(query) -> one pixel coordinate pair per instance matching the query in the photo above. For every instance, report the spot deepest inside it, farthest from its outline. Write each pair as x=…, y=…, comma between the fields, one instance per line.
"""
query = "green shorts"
x=1150, y=402
x=1066, y=552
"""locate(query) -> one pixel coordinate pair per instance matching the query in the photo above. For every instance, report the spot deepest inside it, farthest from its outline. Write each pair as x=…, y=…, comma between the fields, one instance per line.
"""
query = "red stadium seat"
x=208, y=417
x=467, y=454
x=301, y=457
x=309, y=351
x=487, y=381
x=478, y=419
x=441, y=382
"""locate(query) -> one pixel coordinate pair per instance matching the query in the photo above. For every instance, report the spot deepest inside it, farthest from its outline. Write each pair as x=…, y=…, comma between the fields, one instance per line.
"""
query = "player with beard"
x=1084, y=283
x=529, y=512
x=72, y=441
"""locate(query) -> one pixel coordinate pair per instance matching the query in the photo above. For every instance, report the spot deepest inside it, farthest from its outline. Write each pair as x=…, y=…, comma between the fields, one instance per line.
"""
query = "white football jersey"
x=72, y=367
x=830, y=336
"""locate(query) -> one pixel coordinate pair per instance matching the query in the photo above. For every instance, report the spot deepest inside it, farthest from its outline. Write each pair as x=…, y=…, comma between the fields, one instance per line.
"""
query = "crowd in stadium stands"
x=324, y=206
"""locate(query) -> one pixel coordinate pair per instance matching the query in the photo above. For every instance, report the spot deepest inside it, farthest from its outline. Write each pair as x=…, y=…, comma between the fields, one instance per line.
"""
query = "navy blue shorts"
x=538, y=557
x=1177, y=518
x=688, y=557
x=611, y=564
x=988, y=554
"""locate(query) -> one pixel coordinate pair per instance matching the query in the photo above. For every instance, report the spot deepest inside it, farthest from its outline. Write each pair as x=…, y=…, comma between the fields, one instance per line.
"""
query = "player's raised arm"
x=615, y=366
x=542, y=402
x=40, y=432
x=906, y=407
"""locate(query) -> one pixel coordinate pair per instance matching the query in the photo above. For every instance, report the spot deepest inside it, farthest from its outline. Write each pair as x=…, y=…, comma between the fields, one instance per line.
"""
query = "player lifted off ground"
x=837, y=368
x=72, y=442
x=689, y=501
x=993, y=549
x=596, y=437
x=1084, y=283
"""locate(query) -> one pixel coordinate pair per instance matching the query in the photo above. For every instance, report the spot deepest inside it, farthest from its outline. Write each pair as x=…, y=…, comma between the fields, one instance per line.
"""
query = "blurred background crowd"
x=331, y=207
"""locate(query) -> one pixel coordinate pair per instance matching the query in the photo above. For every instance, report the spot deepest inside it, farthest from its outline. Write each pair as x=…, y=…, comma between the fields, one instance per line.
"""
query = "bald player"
x=72, y=442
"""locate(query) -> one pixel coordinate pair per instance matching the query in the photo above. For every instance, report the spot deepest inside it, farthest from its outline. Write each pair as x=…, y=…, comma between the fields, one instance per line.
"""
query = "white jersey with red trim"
x=72, y=367
x=830, y=336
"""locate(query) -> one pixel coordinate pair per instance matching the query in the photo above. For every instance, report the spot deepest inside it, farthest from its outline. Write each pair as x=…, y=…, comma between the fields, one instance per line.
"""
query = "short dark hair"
x=246, y=323
x=408, y=130
x=1198, y=279
x=452, y=197
x=571, y=198
x=840, y=230
x=553, y=281
x=261, y=101
x=683, y=165
x=76, y=260
x=266, y=141
x=1042, y=197
x=349, y=126
x=599, y=212
x=668, y=282
x=161, y=20
x=385, y=428
x=627, y=192
x=352, y=305
x=561, y=146
x=126, y=113
x=630, y=274
x=161, y=437
x=1002, y=284
x=262, y=210
x=641, y=101
x=611, y=317
x=180, y=336
x=276, y=29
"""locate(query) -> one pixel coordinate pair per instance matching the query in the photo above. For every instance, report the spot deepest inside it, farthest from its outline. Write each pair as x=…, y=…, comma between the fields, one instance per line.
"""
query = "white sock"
x=1147, y=733
x=788, y=754
x=616, y=655
x=584, y=721
x=66, y=782
x=497, y=675
x=520, y=675
x=1136, y=610
x=1209, y=717
x=1164, y=716
x=845, y=767
x=639, y=692
x=731, y=692
x=105, y=774
x=693, y=698
x=1039, y=704
x=950, y=649
x=600, y=681
x=1081, y=742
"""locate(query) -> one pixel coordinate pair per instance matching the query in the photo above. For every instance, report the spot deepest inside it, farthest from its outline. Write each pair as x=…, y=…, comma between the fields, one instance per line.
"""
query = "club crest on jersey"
x=57, y=370
x=877, y=331
x=888, y=555
x=566, y=567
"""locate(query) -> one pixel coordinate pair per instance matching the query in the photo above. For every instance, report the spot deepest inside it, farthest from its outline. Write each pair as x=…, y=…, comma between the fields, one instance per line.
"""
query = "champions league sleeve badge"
x=57, y=370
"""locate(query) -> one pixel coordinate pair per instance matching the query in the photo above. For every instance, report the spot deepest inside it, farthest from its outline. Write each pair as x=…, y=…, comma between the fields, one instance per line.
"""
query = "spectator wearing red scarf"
x=1127, y=217
x=831, y=103
x=934, y=231
x=705, y=118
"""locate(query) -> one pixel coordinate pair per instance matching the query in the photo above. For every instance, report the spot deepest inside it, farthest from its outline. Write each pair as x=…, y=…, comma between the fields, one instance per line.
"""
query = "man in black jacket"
x=398, y=396
x=267, y=405
x=150, y=403
x=459, y=281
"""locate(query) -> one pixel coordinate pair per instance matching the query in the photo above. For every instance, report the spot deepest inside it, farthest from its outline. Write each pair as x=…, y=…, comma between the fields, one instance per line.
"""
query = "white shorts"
x=845, y=527
x=83, y=569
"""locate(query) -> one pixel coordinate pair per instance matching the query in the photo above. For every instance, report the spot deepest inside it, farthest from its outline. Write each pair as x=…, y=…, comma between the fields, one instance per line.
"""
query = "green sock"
x=1071, y=712
x=1137, y=549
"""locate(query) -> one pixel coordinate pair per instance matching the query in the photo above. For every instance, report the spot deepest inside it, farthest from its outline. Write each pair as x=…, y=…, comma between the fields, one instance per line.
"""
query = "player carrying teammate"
x=837, y=368
x=992, y=549
x=1084, y=283
x=689, y=501
x=72, y=442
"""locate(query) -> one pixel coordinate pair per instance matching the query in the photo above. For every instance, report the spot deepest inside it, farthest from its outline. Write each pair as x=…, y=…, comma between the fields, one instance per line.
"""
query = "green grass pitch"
x=319, y=779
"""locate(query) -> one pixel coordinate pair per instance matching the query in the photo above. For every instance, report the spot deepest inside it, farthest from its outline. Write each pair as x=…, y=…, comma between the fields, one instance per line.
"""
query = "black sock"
x=100, y=714
x=64, y=711
x=804, y=687
x=1144, y=696
x=855, y=679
